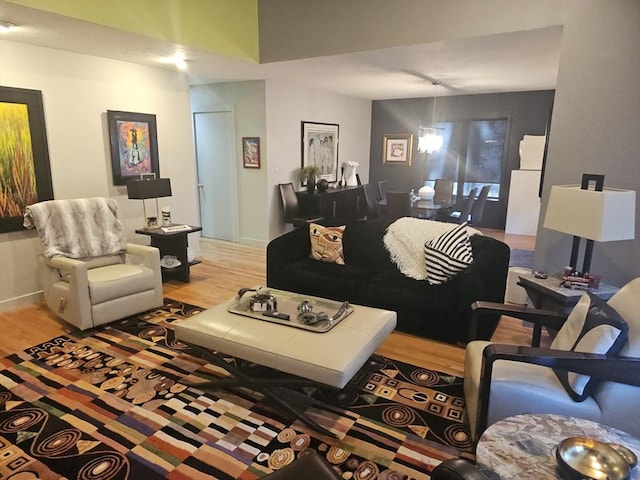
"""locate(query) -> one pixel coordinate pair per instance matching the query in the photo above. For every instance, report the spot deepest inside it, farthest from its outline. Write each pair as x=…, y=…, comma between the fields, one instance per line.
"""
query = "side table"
x=173, y=243
x=523, y=446
x=545, y=293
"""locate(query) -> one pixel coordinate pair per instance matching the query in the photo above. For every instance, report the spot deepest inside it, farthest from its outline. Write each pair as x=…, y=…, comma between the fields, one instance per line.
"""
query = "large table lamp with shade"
x=592, y=212
x=148, y=188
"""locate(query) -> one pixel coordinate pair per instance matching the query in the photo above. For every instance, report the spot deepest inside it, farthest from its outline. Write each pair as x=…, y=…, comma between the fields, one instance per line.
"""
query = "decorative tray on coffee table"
x=291, y=309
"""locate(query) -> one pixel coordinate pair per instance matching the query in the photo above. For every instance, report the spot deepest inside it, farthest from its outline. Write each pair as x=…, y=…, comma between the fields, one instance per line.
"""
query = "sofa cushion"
x=326, y=243
x=448, y=254
x=593, y=326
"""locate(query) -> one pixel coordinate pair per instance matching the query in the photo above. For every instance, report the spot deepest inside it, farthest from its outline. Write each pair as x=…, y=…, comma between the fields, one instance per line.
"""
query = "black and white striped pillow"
x=448, y=255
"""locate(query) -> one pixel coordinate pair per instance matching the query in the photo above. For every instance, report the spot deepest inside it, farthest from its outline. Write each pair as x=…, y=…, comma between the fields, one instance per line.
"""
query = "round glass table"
x=523, y=446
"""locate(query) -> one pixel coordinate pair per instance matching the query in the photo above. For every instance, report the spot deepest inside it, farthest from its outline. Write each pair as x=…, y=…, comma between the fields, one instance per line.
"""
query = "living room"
x=595, y=92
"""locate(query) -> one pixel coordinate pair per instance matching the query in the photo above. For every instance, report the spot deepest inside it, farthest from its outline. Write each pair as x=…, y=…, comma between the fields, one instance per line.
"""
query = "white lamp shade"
x=601, y=216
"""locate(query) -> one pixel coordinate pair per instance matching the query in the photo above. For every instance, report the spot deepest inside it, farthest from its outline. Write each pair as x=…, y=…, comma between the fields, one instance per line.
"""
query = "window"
x=472, y=155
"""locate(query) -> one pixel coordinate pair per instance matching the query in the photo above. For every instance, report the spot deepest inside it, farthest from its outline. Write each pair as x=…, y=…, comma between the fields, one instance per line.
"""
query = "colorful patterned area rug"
x=113, y=403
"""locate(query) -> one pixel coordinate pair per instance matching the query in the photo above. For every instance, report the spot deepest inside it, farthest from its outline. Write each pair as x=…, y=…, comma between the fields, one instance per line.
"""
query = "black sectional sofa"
x=370, y=278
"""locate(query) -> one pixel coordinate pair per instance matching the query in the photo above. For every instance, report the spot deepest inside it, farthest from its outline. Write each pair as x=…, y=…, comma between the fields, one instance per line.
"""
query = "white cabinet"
x=524, y=204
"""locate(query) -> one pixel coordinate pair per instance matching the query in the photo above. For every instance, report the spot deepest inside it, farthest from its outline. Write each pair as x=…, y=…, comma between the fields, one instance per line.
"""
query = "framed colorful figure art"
x=134, y=145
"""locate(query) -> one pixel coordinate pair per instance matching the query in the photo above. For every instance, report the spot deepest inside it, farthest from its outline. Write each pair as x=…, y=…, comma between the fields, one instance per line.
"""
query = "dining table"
x=421, y=208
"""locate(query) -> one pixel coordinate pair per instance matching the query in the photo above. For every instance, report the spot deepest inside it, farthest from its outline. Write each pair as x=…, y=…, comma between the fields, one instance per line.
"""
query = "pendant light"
x=429, y=138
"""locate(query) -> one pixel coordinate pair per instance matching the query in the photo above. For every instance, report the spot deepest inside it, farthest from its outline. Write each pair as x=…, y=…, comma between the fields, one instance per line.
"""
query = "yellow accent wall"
x=228, y=27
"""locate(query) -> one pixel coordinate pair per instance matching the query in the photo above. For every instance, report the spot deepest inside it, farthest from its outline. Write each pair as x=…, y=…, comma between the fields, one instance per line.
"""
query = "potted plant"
x=308, y=175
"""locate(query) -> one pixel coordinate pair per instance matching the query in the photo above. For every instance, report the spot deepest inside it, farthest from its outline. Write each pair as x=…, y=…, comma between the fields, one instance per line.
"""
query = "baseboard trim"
x=36, y=298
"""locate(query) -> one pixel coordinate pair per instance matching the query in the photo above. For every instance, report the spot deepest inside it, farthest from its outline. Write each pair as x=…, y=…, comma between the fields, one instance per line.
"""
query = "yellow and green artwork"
x=17, y=169
x=25, y=173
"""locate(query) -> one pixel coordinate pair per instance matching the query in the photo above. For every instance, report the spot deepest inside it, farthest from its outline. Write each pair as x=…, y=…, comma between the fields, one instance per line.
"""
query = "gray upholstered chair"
x=505, y=380
x=90, y=275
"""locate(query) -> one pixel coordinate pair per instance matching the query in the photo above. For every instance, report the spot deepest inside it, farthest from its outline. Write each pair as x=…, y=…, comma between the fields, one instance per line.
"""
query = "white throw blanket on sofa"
x=405, y=239
x=77, y=228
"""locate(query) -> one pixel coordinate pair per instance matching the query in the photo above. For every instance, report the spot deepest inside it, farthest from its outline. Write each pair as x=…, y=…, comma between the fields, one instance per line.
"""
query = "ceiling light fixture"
x=180, y=61
x=6, y=26
x=429, y=138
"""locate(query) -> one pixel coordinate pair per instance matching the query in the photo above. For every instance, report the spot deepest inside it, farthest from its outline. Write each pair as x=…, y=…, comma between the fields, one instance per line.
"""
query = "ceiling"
x=518, y=61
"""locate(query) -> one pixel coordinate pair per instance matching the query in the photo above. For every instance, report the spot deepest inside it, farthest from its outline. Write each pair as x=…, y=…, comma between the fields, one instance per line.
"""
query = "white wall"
x=596, y=125
x=77, y=91
x=287, y=106
x=247, y=101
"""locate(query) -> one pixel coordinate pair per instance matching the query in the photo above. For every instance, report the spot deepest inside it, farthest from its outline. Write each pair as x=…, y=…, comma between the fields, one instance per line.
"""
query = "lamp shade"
x=602, y=216
x=153, y=188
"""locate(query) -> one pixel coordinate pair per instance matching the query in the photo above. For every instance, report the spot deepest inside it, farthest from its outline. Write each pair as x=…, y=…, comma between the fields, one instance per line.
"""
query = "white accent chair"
x=505, y=380
x=93, y=290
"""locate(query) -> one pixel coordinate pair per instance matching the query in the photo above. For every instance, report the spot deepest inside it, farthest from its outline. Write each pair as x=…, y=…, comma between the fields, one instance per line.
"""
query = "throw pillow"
x=326, y=243
x=593, y=326
x=447, y=255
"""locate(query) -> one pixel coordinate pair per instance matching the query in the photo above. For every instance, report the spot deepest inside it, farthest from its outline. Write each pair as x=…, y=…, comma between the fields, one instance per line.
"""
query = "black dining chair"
x=398, y=205
x=443, y=191
x=459, y=213
x=291, y=207
x=477, y=210
x=373, y=209
x=382, y=190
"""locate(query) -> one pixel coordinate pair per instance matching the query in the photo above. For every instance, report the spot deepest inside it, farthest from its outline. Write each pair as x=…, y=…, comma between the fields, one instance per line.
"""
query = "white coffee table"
x=330, y=358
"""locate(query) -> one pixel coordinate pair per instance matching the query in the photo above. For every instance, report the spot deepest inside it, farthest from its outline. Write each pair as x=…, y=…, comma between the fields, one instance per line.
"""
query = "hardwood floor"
x=225, y=268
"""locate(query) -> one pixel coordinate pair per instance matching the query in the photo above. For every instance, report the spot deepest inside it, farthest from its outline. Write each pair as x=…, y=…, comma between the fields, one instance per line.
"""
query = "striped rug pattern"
x=113, y=403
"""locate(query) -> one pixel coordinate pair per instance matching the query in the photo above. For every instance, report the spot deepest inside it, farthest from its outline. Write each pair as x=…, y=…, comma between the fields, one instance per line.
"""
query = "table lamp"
x=144, y=189
x=593, y=212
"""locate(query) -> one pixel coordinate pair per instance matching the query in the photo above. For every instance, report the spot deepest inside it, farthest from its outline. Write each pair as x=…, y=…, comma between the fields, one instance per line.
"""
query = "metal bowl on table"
x=584, y=457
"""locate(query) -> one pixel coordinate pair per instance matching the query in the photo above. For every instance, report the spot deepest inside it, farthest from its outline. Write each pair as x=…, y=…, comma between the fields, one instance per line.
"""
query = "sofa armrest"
x=291, y=247
x=484, y=280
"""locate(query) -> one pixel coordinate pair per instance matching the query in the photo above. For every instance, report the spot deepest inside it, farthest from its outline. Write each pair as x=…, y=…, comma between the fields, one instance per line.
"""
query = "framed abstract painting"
x=25, y=172
x=320, y=148
x=134, y=145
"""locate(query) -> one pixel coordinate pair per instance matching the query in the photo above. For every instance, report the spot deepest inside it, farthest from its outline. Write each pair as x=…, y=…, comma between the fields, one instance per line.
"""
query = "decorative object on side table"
x=351, y=179
x=308, y=175
x=322, y=185
x=597, y=213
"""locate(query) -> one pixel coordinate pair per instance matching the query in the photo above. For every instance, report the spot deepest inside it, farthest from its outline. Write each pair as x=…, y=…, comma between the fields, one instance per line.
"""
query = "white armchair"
x=110, y=279
x=505, y=380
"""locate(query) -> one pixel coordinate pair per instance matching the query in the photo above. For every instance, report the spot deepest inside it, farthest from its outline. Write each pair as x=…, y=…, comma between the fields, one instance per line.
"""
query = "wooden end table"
x=173, y=243
x=547, y=294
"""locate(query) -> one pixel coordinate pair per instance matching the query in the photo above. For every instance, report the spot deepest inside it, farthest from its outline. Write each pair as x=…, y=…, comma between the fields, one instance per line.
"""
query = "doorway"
x=215, y=157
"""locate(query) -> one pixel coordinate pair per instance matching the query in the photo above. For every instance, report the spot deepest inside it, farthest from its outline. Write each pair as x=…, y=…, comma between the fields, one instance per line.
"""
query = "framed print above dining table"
x=397, y=149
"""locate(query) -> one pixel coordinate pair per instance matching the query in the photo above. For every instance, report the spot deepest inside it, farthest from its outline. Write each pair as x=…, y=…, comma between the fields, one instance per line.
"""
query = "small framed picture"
x=397, y=149
x=251, y=152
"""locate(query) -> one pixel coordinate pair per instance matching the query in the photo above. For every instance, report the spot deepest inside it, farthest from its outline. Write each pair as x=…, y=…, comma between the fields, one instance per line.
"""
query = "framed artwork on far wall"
x=320, y=148
x=397, y=149
x=25, y=172
x=251, y=152
x=134, y=145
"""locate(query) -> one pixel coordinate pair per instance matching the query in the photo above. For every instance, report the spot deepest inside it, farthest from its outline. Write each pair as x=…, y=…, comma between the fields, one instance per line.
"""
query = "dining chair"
x=398, y=205
x=443, y=191
x=291, y=207
x=382, y=190
x=459, y=213
x=373, y=209
x=477, y=210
